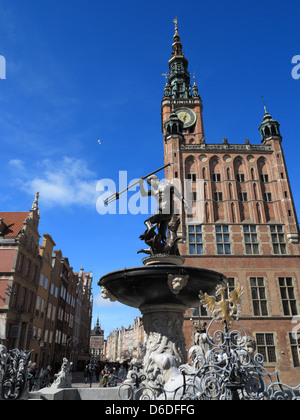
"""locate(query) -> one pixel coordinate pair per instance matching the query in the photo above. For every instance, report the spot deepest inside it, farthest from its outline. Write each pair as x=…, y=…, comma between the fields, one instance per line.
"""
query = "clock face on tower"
x=187, y=116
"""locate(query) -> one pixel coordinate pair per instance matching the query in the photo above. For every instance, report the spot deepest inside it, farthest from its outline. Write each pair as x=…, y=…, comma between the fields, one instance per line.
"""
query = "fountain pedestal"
x=165, y=342
x=163, y=291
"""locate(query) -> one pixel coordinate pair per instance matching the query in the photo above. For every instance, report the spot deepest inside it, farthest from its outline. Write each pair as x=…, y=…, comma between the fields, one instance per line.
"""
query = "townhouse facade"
x=44, y=305
x=124, y=344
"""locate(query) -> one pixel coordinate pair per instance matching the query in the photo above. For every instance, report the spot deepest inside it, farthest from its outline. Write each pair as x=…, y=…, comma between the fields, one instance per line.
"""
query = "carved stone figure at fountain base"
x=165, y=343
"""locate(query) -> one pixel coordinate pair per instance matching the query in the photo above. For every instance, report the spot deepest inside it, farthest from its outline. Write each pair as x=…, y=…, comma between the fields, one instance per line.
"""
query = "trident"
x=116, y=195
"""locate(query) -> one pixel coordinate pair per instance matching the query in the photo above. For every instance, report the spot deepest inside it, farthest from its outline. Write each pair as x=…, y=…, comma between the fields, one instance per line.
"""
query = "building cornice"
x=242, y=148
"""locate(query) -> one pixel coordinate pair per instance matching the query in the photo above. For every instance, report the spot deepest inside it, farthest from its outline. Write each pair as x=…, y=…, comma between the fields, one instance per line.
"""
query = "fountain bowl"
x=150, y=285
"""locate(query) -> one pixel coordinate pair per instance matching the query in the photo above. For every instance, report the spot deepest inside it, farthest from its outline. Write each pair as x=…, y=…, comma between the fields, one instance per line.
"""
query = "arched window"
x=207, y=212
x=267, y=131
x=190, y=168
x=228, y=171
x=215, y=169
x=230, y=191
x=239, y=169
x=258, y=213
x=255, y=191
x=263, y=170
x=233, y=213
x=205, y=191
x=273, y=130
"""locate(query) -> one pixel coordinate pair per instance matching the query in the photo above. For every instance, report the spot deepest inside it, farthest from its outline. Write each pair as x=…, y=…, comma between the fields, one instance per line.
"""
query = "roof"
x=14, y=222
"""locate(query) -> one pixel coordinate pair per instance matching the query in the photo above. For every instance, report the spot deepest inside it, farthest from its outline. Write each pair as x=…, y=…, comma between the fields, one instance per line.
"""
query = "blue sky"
x=82, y=70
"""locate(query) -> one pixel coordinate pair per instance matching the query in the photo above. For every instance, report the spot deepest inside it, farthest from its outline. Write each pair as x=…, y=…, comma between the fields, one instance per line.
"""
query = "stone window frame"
x=198, y=239
x=259, y=297
x=266, y=345
x=286, y=291
x=223, y=239
x=251, y=245
x=278, y=239
x=294, y=342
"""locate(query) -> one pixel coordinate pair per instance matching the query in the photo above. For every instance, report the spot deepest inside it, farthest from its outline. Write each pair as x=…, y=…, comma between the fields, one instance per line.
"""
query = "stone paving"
x=78, y=381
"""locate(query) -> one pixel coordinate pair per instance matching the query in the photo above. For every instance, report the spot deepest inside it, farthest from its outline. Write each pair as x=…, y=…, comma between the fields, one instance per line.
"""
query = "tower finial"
x=195, y=87
x=263, y=99
x=176, y=24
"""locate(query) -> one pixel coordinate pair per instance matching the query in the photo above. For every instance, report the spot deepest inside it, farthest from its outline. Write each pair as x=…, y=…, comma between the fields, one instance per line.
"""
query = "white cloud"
x=17, y=164
x=65, y=183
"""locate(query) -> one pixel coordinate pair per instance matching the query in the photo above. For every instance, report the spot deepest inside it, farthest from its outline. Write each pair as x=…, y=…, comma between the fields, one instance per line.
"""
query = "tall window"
x=218, y=196
x=27, y=269
x=29, y=301
x=231, y=283
x=266, y=346
x=20, y=263
x=37, y=307
x=278, y=240
x=195, y=240
x=14, y=297
x=34, y=270
x=267, y=197
x=287, y=294
x=42, y=308
x=42, y=280
x=223, y=239
x=251, y=241
x=258, y=293
x=240, y=177
x=23, y=298
x=192, y=177
x=243, y=196
x=216, y=177
x=295, y=347
x=264, y=177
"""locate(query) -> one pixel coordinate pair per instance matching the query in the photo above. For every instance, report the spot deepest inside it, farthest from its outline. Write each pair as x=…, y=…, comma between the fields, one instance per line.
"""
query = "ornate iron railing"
x=225, y=367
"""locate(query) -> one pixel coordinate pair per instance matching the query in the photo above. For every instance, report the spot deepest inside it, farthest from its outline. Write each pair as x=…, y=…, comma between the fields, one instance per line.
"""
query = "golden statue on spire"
x=176, y=24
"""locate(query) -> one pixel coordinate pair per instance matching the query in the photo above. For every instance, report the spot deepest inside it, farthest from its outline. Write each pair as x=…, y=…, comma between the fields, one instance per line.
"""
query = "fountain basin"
x=150, y=285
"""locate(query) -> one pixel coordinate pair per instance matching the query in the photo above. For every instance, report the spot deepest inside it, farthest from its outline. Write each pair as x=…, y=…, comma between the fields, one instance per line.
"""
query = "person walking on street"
x=88, y=375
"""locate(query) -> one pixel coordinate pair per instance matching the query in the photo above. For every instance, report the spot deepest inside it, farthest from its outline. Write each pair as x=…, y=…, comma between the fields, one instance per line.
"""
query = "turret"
x=269, y=127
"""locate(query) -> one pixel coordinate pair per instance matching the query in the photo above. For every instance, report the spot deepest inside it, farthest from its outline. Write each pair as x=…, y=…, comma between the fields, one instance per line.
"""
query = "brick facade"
x=243, y=221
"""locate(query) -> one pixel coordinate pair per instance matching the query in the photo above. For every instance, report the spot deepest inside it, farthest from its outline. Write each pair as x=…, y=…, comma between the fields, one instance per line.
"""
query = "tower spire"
x=177, y=46
x=179, y=77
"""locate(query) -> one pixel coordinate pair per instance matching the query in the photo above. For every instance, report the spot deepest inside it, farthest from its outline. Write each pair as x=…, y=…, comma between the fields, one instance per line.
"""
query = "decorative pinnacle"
x=176, y=24
x=176, y=36
x=35, y=204
x=263, y=99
